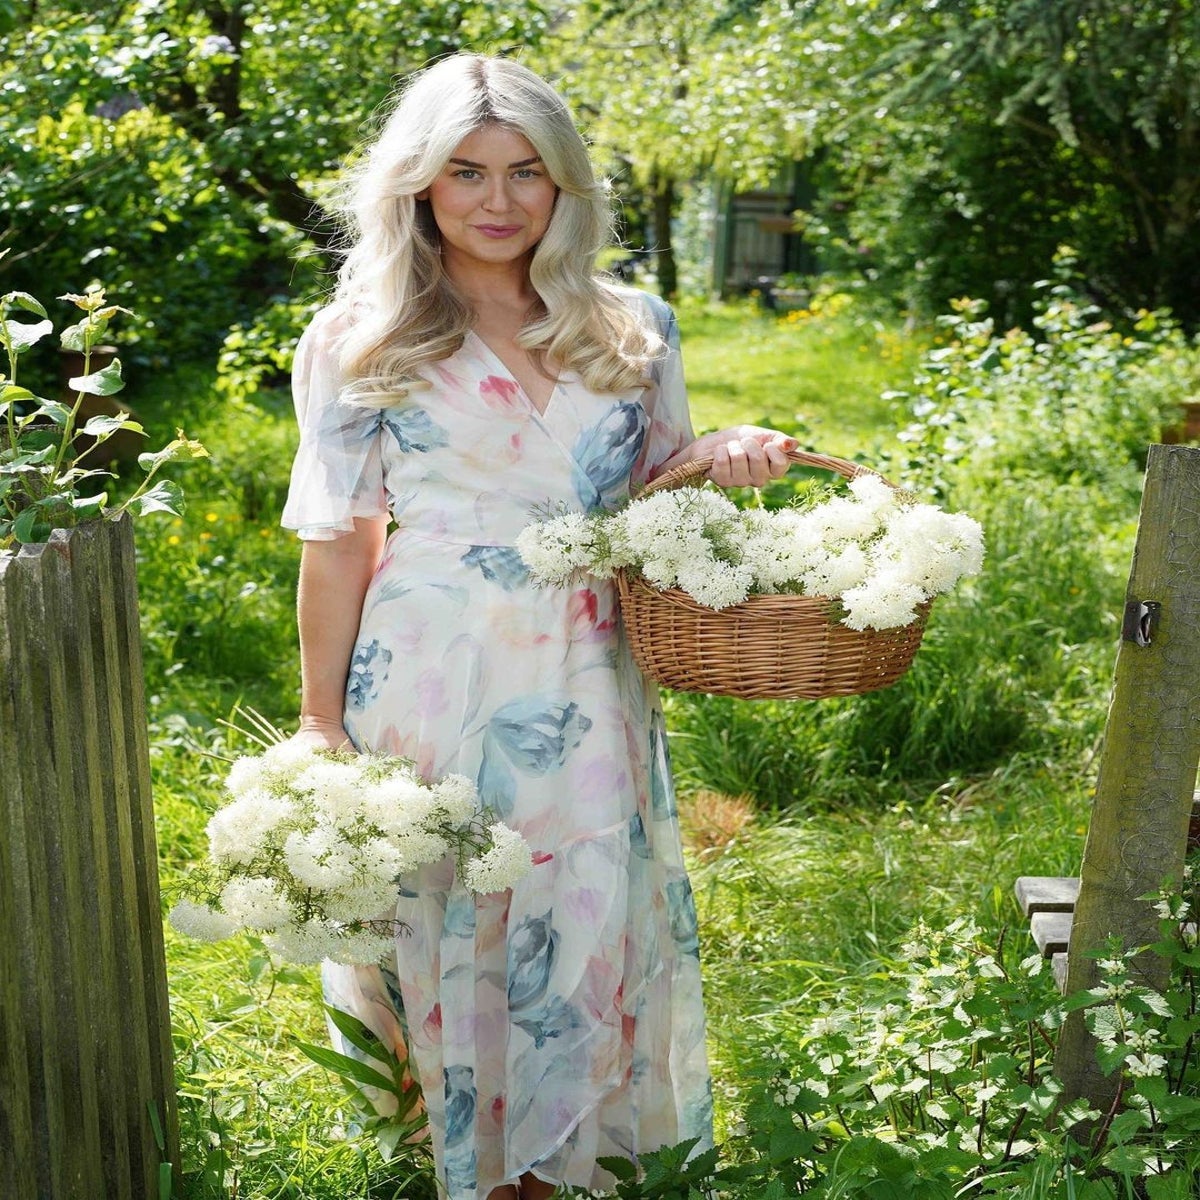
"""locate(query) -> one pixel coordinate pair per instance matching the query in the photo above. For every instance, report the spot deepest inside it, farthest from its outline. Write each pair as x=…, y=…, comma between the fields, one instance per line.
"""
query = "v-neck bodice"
x=468, y=457
x=555, y=381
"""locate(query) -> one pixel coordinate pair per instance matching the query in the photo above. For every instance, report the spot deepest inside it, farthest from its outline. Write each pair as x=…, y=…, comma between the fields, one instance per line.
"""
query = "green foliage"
x=376, y=1080
x=933, y=1077
x=43, y=461
x=258, y=354
x=978, y=136
x=181, y=150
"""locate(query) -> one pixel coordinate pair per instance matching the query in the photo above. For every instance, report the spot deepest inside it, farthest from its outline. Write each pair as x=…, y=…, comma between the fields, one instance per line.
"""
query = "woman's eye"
x=466, y=173
x=527, y=173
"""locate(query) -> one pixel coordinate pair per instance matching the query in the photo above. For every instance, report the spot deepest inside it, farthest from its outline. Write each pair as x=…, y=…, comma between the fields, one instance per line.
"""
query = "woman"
x=471, y=371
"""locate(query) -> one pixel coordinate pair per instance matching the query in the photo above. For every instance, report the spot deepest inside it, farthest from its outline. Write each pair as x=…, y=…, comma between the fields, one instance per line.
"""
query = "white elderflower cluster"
x=874, y=550
x=310, y=849
x=554, y=550
x=494, y=870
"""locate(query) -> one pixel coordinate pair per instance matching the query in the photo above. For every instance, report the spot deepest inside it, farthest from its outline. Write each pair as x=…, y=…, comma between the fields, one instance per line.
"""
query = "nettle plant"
x=937, y=1078
x=49, y=452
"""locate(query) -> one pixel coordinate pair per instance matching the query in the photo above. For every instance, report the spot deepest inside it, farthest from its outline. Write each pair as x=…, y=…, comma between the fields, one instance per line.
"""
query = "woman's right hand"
x=322, y=733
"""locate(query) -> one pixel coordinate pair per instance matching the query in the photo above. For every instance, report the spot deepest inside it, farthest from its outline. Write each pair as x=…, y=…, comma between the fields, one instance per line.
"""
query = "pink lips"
x=498, y=231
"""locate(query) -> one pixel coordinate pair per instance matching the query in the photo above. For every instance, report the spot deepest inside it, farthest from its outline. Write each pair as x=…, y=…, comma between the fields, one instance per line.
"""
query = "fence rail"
x=85, y=1049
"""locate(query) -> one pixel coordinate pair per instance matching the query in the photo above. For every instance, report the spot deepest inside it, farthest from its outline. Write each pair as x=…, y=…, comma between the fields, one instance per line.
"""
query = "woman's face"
x=492, y=202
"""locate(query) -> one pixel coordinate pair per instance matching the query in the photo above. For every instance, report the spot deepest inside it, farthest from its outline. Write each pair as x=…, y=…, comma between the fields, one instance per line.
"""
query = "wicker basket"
x=767, y=647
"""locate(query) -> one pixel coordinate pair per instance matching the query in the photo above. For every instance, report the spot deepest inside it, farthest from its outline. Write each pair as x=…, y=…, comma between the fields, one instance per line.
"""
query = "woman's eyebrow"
x=525, y=162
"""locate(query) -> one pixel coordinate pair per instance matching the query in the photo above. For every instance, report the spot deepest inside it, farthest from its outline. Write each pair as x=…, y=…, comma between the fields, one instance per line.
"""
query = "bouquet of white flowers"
x=309, y=850
x=876, y=552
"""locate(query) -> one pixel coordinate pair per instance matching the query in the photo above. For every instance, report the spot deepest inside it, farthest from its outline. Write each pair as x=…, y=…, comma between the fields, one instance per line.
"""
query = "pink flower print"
x=503, y=396
x=587, y=905
x=410, y=745
x=431, y=693
x=589, y=621
x=432, y=1025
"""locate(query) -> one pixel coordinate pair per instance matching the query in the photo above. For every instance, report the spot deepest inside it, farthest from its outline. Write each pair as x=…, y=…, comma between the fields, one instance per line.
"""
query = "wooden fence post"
x=86, y=1051
x=1139, y=823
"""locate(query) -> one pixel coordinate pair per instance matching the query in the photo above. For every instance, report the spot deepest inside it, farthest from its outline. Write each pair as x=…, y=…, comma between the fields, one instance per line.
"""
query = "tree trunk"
x=664, y=253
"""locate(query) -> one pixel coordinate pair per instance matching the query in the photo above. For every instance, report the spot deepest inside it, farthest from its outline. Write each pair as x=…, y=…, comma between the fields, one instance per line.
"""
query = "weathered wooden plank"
x=1139, y=821
x=18, y=1155
x=94, y=912
x=76, y=996
x=1046, y=893
x=53, y=1030
x=1051, y=931
x=112, y=713
x=129, y=637
x=1058, y=964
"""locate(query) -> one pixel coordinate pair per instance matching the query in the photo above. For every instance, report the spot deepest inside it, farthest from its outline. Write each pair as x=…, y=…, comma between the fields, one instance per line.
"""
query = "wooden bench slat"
x=1051, y=931
x=1047, y=893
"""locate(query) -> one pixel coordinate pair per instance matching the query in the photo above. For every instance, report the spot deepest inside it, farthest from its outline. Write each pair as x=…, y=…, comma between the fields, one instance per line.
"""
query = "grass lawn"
x=792, y=904
x=823, y=377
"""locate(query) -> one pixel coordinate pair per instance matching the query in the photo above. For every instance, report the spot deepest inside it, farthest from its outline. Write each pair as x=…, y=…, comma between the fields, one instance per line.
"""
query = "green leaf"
x=165, y=496
x=90, y=506
x=18, y=336
x=356, y=1033
x=74, y=337
x=11, y=394
x=27, y=528
x=1174, y=1185
x=105, y=427
x=348, y=1068
x=99, y=383
x=622, y=1168
x=26, y=301
x=182, y=448
x=58, y=413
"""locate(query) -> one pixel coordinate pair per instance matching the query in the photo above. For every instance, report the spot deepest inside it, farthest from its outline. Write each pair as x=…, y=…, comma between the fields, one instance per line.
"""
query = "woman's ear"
x=422, y=195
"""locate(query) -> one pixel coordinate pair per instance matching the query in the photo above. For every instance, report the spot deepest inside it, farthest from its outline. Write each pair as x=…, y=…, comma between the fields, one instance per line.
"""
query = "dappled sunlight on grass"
x=821, y=376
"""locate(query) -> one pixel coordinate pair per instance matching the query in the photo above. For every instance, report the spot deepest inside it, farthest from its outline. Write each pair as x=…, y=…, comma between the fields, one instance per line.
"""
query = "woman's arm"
x=743, y=455
x=333, y=581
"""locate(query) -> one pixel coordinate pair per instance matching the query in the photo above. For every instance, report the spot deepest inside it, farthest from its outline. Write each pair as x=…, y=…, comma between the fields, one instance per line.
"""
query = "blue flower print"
x=532, y=949
x=498, y=564
x=532, y=734
x=460, y=1123
x=637, y=837
x=460, y=915
x=415, y=431
x=662, y=790
x=368, y=669
x=681, y=908
x=552, y=1020
x=604, y=456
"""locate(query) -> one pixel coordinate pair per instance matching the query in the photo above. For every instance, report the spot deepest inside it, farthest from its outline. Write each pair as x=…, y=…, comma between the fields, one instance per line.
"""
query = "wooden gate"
x=87, y=1101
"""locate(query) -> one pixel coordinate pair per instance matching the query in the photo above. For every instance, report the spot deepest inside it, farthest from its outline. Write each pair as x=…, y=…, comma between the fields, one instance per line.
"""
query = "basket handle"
x=693, y=472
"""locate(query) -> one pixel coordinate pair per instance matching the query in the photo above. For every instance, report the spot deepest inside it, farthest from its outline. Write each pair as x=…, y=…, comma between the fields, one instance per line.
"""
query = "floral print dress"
x=560, y=1021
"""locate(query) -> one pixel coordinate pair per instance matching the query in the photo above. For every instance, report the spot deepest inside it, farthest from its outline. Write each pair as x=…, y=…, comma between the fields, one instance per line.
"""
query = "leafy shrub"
x=934, y=1078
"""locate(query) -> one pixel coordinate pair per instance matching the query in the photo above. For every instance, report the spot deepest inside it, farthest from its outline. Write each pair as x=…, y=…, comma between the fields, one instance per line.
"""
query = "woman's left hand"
x=743, y=455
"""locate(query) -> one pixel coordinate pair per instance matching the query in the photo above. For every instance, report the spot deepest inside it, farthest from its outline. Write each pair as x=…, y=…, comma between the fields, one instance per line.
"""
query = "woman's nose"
x=498, y=198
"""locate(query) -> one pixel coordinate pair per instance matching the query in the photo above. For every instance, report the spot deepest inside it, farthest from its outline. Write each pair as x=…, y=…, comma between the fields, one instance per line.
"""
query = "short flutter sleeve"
x=337, y=474
x=665, y=400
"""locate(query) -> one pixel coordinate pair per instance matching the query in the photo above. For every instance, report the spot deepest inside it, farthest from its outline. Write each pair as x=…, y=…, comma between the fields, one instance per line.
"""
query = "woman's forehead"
x=495, y=145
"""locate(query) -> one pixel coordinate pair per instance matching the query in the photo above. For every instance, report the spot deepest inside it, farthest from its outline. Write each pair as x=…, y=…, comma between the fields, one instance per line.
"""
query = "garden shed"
x=754, y=238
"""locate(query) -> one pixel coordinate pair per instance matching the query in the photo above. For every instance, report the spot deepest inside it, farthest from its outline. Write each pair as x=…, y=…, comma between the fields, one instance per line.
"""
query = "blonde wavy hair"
x=403, y=310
